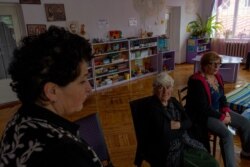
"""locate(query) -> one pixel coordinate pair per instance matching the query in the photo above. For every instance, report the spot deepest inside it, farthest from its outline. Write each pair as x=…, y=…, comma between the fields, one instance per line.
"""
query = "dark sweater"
x=157, y=129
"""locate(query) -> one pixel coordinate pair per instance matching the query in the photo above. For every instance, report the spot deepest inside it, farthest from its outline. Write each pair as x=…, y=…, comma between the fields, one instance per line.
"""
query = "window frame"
x=235, y=18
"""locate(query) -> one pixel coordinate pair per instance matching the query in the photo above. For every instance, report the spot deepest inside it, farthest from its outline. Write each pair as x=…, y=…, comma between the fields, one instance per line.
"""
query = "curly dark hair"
x=53, y=56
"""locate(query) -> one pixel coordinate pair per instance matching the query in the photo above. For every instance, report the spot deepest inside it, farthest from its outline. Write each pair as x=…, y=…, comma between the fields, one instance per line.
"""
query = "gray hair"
x=163, y=79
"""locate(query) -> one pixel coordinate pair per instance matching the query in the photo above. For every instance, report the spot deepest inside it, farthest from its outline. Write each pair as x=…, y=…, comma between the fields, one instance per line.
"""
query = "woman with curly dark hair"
x=49, y=75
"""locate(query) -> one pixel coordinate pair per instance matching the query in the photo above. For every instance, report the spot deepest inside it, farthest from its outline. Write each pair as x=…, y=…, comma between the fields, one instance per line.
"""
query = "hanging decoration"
x=146, y=8
x=149, y=7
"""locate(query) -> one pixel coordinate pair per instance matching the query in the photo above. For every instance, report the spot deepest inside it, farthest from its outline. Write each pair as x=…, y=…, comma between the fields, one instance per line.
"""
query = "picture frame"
x=35, y=29
x=30, y=1
x=55, y=12
x=73, y=27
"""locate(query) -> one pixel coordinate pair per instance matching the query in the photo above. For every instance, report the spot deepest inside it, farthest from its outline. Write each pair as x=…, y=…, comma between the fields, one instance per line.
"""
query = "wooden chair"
x=182, y=95
x=91, y=131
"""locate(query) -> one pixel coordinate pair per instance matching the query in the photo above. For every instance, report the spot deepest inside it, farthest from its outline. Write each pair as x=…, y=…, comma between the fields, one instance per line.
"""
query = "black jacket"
x=157, y=132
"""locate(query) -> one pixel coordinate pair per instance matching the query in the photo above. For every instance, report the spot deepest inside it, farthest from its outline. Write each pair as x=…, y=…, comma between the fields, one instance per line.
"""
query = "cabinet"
x=163, y=43
x=143, y=57
x=166, y=61
x=110, y=63
x=197, y=47
x=166, y=57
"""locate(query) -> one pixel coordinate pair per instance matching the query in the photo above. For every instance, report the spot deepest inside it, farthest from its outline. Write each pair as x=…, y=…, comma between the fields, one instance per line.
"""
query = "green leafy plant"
x=201, y=28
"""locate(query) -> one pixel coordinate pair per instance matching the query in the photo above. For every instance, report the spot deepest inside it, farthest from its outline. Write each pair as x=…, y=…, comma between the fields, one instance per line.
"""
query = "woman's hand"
x=175, y=125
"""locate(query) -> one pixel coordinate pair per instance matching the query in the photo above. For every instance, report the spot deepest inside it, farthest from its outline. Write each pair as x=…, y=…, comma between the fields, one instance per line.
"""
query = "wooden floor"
x=114, y=111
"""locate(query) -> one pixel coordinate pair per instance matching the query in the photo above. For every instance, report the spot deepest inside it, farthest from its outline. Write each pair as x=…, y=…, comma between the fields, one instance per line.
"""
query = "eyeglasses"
x=215, y=64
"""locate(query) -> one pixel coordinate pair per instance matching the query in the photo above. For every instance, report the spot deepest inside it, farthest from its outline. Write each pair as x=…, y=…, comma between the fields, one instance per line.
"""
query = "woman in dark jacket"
x=207, y=107
x=166, y=126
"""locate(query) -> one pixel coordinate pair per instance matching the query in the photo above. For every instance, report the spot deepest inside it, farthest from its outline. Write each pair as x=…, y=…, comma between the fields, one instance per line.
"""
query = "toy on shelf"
x=115, y=34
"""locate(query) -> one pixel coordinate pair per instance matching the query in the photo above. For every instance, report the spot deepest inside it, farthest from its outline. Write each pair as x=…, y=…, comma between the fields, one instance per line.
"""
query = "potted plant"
x=203, y=28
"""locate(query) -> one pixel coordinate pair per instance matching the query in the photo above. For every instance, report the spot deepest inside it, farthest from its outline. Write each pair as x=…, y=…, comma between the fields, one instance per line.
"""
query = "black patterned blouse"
x=36, y=137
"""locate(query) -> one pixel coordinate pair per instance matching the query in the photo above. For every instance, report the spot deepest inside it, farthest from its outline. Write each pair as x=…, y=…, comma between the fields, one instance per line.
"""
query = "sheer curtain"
x=7, y=45
x=217, y=44
x=235, y=16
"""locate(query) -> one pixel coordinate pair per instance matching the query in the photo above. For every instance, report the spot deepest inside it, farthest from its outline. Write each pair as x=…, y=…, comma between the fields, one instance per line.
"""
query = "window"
x=247, y=3
x=235, y=16
x=225, y=4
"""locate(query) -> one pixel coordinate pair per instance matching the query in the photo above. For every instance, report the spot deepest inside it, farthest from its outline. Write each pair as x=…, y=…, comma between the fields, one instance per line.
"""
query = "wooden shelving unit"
x=119, y=61
x=110, y=63
x=143, y=56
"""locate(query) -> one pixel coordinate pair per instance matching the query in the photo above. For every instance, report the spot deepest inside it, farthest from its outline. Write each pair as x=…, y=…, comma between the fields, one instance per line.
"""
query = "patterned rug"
x=239, y=99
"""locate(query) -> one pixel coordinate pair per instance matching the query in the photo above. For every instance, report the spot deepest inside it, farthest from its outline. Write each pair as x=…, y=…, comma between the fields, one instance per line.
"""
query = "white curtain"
x=7, y=46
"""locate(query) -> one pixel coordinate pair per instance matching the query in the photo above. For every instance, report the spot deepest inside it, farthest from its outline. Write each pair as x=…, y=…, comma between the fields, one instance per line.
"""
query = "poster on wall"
x=30, y=1
x=35, y=29
x=55, y=12
x=73, y=27
x=103, y=23
x=132, y=22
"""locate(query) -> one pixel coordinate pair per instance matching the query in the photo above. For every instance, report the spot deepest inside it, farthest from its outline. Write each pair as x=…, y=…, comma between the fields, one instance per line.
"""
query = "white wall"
x=89, y=12
x=117, y=14
x=188, y=13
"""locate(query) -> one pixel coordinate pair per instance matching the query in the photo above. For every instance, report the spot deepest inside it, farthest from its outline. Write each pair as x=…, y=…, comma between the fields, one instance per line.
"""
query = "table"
x=229, y=68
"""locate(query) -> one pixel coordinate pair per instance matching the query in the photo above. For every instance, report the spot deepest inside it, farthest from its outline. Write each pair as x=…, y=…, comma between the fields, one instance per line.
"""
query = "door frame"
x=15, y=11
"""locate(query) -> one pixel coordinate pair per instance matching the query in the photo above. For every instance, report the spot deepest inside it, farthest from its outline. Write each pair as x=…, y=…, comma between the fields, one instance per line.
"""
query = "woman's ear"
x=50, y=91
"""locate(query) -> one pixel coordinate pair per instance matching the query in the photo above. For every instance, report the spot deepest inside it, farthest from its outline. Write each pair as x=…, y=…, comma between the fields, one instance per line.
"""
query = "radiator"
x=236, y=48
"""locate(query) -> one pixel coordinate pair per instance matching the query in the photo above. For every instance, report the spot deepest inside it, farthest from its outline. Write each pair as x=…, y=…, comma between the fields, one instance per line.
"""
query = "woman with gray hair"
x=167, y=142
